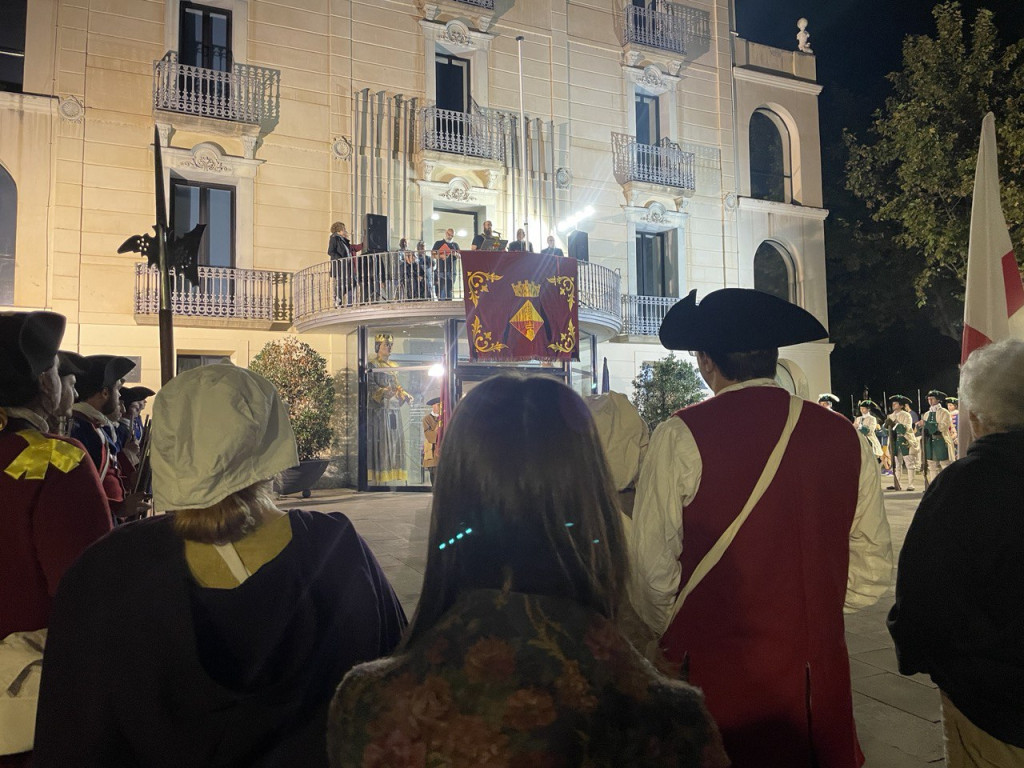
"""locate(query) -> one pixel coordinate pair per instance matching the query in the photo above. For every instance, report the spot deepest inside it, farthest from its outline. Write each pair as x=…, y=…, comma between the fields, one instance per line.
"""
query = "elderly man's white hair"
x=992, y=385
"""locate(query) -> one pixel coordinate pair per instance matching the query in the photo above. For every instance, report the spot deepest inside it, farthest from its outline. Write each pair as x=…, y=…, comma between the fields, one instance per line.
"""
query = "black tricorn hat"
x=71, y=363
x=135, y=394
x=737, y=320
x=901, y=399
x=938, y=394
x=434, y=401
x=867, y=404
x=28, y=343
x=828, y=396
x=103, y=371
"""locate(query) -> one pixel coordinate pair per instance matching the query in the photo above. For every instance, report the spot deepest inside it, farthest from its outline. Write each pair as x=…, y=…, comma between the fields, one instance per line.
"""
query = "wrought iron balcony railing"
x=487, y=4
x=245, y=94
x=242, y=294
x=670, y=27
x=476, y=134
x=662, y=163
x=642, y=315
x=404, y=276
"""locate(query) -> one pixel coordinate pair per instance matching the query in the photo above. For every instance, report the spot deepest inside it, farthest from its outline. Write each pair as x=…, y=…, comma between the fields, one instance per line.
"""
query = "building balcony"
x=481, y=135
x=672, y=27
x=245, y=95
x=642, y=315
x=485, y=4
x=664, y=164
x=376, y=287
x=252, y=298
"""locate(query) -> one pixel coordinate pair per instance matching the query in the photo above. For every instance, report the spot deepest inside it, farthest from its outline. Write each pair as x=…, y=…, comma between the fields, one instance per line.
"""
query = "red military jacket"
x=763, y=633
x=53, y=507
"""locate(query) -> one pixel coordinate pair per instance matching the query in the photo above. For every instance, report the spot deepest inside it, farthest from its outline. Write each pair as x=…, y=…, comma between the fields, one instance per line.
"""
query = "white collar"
x=27, y=414
x=92, y=414
x=748, y=383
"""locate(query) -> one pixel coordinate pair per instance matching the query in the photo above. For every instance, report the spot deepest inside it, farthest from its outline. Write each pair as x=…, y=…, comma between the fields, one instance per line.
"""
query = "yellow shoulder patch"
x=42, y=451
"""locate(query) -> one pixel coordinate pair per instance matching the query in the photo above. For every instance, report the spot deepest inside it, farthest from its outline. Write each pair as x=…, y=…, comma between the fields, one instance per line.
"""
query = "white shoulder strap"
x=710, y=560
x=234, y=563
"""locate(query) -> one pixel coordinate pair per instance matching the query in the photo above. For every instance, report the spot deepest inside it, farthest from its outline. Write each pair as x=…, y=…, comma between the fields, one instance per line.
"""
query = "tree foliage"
x=300, y=374
x=917, y=169
x=665, y=386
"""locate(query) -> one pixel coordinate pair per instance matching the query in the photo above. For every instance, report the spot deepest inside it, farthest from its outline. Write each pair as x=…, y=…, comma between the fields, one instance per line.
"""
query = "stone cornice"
x=783, y=209
x=776, y=81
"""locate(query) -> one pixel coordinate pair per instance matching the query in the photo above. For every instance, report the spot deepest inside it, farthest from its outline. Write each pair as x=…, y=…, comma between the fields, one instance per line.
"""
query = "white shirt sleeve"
x=669, y=481
x=870, y=571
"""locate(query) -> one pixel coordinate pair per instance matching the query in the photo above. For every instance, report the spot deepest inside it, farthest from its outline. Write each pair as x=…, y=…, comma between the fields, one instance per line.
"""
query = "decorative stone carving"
x=342, y=148
x=207, y=157
x=456, y=34
x=731, y=201
x=563, y=178
x=803, y=37
x=493, y=178
x=632, y=58
x=71, y=109
x=656, y=214
x=458, y=191
x=652, y=78
x=249, y=146
x=428, y=170
x=165, y=131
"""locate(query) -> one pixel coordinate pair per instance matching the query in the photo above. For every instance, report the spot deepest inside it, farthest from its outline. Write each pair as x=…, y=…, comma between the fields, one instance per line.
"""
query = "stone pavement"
x=897, y=717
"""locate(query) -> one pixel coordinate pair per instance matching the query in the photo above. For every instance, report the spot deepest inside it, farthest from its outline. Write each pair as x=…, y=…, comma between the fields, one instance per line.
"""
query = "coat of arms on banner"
x=521, y=306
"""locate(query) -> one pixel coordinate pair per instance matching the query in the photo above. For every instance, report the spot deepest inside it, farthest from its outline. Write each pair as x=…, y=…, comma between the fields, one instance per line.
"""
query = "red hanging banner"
x=521, y=306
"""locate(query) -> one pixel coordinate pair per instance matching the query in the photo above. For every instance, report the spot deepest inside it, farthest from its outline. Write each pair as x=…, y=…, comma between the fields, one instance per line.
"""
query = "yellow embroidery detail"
x=566, y=287
x=478, y=282
x=482, y=339
x=526, y=289
x=41, y=452
x=527, y=320
x=567, y=342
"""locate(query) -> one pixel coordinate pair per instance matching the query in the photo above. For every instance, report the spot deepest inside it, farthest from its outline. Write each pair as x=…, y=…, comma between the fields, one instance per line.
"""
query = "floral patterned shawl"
x=509, y=679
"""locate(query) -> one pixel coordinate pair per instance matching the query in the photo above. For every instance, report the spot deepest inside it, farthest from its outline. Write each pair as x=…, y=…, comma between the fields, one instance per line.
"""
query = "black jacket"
x=146, y=668
x=959, y=612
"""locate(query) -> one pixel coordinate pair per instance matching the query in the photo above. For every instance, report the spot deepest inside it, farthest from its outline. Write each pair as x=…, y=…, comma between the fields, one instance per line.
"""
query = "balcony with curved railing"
x=664, y=164
x=241, y=94
x=642, y=315
x=398, y=285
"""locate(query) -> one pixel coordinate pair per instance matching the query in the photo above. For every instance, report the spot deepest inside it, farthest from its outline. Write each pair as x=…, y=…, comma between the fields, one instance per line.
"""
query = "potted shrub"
x=300, y=374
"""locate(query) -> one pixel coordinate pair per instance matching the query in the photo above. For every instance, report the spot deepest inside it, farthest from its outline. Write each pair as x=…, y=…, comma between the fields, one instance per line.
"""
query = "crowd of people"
x=593, y=595
x=411, y=274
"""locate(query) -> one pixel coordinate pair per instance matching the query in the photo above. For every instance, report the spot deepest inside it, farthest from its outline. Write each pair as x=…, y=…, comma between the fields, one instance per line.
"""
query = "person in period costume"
x=744, y=561
x=70, y=365
x=444, y=253
x=828, y=400
x=520, y=243
x=431, y=424
x=959, y=610
x=903, y=446
x=340, y=250
x=129, y=429
x=385, y=464
x=937, y=435
x=953, y=406
x=214, y=634
x=513, y=657
x=52, y=508
x=94, y=423
x=551, y=250
x=867, y=425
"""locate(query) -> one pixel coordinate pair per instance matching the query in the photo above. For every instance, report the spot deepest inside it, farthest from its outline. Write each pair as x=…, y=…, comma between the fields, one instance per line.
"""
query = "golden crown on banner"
x=526, y=289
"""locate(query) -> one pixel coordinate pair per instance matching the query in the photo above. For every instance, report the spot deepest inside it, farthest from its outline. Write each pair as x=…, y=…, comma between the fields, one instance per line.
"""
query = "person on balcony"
x=427, y=263
x=412, y=272
x=520, y=243
x=341, y=250
x=551, y=250
x=444, y=252
x=486, y=240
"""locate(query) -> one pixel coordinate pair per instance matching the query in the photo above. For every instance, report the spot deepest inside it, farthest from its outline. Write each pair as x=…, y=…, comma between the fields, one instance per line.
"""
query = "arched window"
x=8, y=232
x=773, y=271
x=770, y=170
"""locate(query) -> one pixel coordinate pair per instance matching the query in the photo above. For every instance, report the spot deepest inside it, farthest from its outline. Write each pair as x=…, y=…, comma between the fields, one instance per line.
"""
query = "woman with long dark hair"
x=513, y=657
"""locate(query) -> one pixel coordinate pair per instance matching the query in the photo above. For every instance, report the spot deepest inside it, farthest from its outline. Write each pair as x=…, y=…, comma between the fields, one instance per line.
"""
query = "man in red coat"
x=51, y=504
x=762, y=631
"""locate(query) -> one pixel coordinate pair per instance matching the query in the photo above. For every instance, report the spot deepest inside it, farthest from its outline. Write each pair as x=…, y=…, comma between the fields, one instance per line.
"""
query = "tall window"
x=188, y=362
x=204, y=37
x=770, y=174
x=8, y=235
x=12, y=44
x=210, y=204
x=657, y=269
x=452, y=83
x=773, y=271
x=648, y=119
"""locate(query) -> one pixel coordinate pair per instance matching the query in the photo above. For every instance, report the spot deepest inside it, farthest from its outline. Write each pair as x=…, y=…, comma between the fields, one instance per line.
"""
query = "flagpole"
x=522, y=143
x=165, y=318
